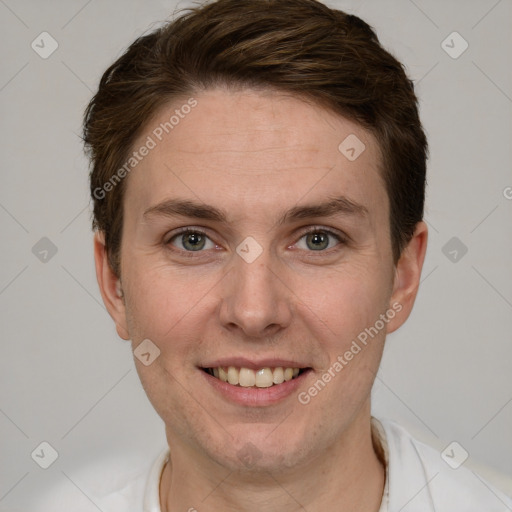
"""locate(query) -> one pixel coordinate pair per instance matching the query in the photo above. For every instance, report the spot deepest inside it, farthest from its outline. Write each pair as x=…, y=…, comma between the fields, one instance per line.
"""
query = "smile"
x=247, y=377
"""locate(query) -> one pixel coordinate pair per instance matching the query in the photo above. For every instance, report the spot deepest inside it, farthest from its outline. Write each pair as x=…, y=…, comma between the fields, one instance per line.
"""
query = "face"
x=253, y=246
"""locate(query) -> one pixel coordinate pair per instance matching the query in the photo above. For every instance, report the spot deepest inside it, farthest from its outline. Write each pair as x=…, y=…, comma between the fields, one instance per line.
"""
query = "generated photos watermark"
x=157, y=135
x=358, y=344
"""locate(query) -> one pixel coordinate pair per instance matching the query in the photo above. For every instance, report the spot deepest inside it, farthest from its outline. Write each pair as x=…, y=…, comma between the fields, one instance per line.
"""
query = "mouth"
x=266, y=377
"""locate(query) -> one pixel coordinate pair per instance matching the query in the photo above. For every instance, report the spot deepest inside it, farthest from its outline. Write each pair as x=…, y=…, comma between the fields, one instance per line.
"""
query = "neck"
x=348, y=476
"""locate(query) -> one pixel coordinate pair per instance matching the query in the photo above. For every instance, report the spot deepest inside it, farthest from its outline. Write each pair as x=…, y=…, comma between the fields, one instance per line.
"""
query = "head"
x=286, y=142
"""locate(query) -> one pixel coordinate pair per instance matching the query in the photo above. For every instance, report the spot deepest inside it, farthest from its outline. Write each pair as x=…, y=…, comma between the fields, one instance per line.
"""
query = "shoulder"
x=421, y=479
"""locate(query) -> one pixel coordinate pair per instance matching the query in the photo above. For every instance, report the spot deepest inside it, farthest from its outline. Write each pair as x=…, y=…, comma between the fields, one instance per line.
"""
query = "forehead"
x=253, y=148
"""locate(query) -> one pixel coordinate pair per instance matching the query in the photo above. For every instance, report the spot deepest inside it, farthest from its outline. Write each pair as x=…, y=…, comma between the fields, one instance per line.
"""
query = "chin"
x=261, y=452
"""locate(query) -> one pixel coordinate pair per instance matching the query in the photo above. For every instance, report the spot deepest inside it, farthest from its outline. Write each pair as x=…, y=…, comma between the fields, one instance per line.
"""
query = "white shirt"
x=417, y=480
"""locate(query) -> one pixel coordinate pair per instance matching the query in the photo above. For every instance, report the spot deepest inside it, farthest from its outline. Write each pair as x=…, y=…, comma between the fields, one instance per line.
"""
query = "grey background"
x=66, y=377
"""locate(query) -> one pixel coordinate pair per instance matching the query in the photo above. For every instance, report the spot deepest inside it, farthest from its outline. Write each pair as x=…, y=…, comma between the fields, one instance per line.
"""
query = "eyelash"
x=341, y=239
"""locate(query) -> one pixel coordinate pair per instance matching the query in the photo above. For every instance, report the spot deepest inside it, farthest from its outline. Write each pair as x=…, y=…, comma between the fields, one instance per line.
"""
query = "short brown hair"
x=300, y=47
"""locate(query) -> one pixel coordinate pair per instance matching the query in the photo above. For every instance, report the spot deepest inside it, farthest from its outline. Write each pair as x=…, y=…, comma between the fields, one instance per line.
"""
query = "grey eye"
x=191, y=241
x=318, y=241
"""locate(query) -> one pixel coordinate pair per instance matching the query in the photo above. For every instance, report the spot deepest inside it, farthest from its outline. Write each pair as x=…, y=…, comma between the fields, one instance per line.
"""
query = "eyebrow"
x=335, y=206
x=187, y=208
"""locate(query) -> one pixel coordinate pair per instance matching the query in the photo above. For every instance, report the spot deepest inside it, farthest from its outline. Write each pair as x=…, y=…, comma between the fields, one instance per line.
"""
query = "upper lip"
x=242, y=362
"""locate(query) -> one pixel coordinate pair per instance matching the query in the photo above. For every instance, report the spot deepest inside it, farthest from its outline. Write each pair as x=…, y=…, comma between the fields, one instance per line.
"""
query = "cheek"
x=346, y=301
x=160, y=301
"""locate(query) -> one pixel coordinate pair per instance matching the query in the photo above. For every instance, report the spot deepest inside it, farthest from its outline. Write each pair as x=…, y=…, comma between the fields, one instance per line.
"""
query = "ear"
x=110, y=286
x=407, y=276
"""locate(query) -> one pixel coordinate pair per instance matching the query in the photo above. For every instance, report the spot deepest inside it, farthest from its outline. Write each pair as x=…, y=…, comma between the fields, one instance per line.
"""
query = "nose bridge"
x=255, y=299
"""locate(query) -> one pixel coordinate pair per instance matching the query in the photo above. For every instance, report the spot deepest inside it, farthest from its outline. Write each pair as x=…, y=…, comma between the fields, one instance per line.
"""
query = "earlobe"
x=110, y=286
x=408, y=274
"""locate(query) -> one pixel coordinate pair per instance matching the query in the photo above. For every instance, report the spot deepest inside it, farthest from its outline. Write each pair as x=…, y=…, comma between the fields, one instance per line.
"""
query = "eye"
x=319, y=240
x=191, y=240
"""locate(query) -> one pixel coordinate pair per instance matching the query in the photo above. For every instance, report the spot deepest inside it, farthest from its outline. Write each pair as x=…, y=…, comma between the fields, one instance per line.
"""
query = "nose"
x=256, y=300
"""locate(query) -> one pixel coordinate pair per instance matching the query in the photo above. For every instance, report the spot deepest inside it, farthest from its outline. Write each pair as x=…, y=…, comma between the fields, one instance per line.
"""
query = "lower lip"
x=253, y=396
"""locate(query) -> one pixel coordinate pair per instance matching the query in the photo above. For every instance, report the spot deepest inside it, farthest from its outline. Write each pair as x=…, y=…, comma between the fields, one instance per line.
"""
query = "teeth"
x=278, y=375
x=223, y=376
x=233, y=375
x=288, y=374
x=246, y=377
x=262, y=378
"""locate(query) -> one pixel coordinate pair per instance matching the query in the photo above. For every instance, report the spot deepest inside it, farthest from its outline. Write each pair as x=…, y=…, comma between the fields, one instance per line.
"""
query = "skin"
x=256, y=155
